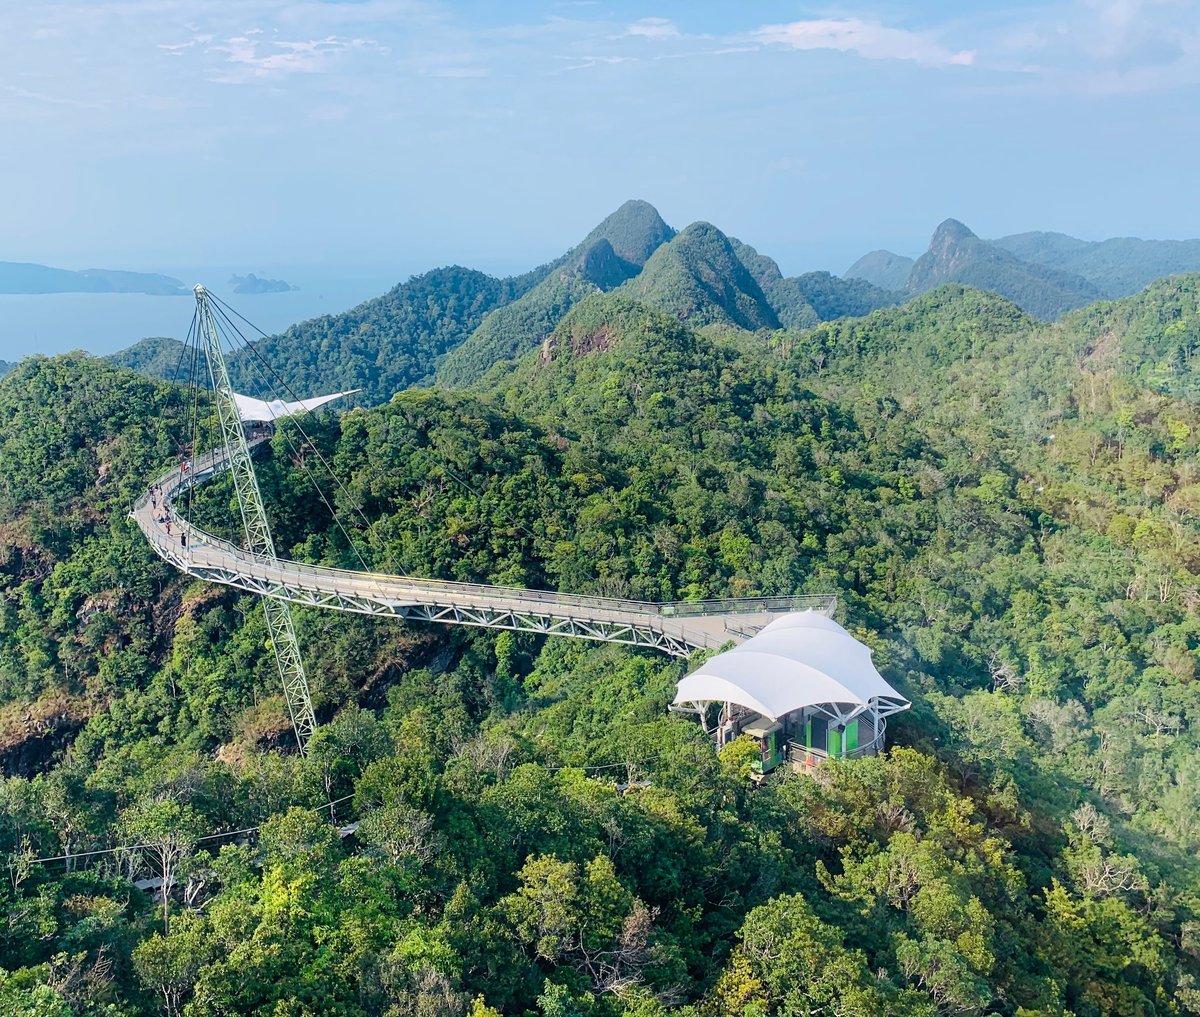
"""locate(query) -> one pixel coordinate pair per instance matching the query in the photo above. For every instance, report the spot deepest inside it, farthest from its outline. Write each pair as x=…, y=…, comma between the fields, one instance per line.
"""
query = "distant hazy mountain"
x=802, y=301
x=252, y=285
x=23, y=277
x=5, y=367
x=610, y=254
x=1116, y=267
x=957, y=255
x=698, y=278
x=884, y=269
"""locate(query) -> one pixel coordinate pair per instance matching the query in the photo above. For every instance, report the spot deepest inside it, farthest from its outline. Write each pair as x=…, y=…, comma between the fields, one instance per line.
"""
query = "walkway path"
x=675, y=628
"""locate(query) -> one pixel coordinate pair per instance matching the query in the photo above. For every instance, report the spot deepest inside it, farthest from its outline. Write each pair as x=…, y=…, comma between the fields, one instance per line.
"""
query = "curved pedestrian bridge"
x=675, y=628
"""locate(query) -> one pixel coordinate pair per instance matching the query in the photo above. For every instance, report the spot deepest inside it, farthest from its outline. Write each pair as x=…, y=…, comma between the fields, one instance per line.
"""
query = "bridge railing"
x=740, y=605
x=395, y=587
x=802, y=756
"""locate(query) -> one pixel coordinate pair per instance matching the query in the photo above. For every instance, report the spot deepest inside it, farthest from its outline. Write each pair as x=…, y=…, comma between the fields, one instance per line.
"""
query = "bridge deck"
x=676, y=628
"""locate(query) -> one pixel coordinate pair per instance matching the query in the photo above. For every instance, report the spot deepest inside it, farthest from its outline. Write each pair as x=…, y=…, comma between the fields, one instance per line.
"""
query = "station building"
x=803, y=688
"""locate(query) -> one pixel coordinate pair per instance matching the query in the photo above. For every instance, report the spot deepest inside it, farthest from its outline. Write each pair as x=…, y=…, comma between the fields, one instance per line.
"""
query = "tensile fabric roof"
x=251, y=409
x=798, y=660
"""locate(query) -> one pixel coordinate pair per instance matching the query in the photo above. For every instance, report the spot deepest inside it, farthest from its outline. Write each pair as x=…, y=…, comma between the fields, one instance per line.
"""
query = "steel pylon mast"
x=254, y=522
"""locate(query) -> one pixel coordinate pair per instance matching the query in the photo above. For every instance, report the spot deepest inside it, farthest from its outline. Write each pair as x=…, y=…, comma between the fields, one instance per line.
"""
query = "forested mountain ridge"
x=699, y=279
x=514, y=328
x=635, y=231
x=802, y=301
x=616, y=250
x=1117, y=266
x=157, y=357
x=832, y=297
x=1152, y=337
x=453, y=324
x=1001, y=505
x=957, y=255
x=384, y=345
x=5, y=367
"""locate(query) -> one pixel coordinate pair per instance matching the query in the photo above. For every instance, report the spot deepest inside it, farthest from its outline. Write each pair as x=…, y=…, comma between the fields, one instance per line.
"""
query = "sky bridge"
x=674, y=628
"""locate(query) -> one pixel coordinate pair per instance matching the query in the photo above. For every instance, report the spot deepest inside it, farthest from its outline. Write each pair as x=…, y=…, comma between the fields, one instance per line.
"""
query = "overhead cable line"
x=151, y=844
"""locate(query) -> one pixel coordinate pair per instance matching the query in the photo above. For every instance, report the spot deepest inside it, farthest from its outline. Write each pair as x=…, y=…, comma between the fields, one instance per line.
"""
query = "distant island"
x=26, y=278
x=252, y=284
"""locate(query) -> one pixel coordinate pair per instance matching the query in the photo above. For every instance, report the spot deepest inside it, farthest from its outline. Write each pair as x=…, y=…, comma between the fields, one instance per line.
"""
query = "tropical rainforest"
x=495, y=823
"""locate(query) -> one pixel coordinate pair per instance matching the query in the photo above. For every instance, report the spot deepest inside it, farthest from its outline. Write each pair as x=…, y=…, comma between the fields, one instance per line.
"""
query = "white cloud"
x=653, y=28
x=56, y=100
x=588, y=62
x=258, y=60
x=1135, y=32
x=869, y=39
x=177, y=48
x=1107, y=47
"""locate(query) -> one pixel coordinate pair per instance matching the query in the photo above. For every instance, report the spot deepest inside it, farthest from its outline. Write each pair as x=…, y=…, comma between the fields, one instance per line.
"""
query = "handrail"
x=801, y=753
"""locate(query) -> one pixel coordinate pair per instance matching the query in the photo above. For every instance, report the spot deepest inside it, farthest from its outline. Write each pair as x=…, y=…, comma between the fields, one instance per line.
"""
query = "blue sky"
x=147, y=133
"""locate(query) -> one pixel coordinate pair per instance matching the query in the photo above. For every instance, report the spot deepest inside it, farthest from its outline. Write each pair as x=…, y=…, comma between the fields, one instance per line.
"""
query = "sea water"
x=103, y=323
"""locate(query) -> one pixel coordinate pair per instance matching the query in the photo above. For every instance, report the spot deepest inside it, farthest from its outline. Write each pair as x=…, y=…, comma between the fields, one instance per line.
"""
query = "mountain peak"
x=951, y=231
x=699, y=278
x=957, y=255
x=635, y=230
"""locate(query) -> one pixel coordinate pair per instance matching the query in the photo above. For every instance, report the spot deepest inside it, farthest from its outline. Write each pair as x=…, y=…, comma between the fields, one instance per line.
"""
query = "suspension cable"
x=198, y=840
x=430, y=451
x=270, y=391
x=267, y=369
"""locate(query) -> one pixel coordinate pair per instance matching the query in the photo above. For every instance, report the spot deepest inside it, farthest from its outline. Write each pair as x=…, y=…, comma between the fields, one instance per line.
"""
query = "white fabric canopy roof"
x=250, y=408
x=802, y=659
